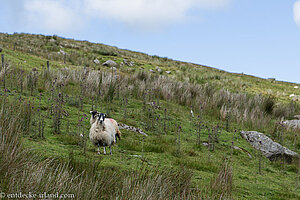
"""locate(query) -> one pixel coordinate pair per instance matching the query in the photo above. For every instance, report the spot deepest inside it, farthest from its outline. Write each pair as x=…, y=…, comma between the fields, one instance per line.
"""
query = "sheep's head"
x=94, y=113
x=101, y=117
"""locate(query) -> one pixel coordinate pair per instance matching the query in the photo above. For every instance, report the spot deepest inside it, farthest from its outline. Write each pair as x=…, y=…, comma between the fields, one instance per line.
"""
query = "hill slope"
x=52, y=107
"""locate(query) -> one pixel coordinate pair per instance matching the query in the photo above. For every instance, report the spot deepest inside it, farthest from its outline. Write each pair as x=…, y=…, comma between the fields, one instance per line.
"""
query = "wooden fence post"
x=48, y=65
x=2, y=58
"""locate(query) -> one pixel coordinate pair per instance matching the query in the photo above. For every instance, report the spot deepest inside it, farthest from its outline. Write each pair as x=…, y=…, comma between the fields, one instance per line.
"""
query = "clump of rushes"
x=222, y=183
x=198, y=131
x=178, y=141
x=41, y=125
x=32, y=79
x=57, y=114
x=211, y=142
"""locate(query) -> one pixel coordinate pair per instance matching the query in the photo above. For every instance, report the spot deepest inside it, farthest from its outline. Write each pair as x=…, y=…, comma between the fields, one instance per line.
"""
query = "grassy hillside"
x=44, y=111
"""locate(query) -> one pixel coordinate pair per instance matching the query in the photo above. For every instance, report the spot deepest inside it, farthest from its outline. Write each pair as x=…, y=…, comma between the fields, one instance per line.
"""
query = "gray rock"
x=131, y=128
x=96, y=61
x=158, y=69
x=297, y=117
x=62, y=52
x=110, y=63
x=293, y=124
x=151, y=70
x=168, y=72
x=205, y=144
x=125, y=61
x=270, y=149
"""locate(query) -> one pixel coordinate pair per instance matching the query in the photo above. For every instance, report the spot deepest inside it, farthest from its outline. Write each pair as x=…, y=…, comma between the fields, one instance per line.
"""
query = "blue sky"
x=260, y=38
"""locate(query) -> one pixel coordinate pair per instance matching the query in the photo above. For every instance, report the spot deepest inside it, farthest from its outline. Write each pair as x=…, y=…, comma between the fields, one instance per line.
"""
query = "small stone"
x=168, y=72
x=158, y=69
x=131, y=64
x=96, y=61
x=62, y=52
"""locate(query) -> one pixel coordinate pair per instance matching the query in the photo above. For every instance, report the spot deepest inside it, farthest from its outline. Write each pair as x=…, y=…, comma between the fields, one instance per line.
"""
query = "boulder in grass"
x=292, y=124
x=270, y=149
x=110, y=63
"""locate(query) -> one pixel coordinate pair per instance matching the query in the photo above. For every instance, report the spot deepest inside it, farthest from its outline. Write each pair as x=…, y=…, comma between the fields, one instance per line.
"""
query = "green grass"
x=158, y=150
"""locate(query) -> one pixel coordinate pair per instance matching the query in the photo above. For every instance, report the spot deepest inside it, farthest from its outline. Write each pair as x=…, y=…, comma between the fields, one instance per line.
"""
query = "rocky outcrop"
x=110, y=63
x=131, y=128
x=268, y=147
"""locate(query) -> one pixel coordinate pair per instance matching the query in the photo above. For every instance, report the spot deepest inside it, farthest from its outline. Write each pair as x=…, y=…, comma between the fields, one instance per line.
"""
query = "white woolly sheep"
x=103, y=133
x=93, y=119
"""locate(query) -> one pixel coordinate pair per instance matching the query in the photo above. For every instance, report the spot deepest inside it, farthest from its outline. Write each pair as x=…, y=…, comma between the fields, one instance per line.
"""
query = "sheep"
x=115, y=124
x=103, y=132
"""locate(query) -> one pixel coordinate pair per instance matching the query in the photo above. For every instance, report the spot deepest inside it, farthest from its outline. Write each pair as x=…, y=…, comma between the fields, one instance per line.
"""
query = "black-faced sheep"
x=93, y=119
x=102, y=133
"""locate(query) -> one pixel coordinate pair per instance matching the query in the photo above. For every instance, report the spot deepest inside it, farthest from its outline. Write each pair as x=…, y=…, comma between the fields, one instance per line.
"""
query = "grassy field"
x=44, y=111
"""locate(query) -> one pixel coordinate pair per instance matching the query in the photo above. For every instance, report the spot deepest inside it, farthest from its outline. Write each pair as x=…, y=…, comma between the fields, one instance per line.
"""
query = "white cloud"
x=60, y=16
x=51, y=15
x=297, y=12
x=148, y=13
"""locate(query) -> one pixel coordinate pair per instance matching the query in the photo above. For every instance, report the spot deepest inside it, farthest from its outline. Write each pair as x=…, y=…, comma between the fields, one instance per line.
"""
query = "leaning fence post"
x=48, y=65
x=2, y=58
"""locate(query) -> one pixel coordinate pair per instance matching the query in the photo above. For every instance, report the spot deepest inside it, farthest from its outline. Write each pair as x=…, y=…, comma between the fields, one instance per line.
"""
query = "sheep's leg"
x=98, y=149
x=110, y=150
x=104, y=151
x=115, y=139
